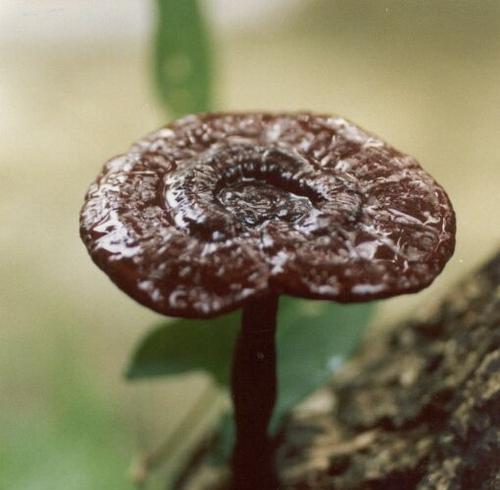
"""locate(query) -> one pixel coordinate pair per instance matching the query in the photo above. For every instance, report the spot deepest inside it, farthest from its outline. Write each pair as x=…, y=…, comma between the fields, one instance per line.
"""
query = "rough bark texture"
x=417, y=409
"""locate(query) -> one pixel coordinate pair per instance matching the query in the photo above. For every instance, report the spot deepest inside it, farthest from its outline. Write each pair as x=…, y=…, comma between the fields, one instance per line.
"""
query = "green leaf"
x=181, y=57
x=314, y=339
x=226, y=434
x=183, y=346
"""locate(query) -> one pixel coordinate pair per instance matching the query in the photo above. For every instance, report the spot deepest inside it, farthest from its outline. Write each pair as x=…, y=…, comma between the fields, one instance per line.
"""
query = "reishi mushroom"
x=230, y=210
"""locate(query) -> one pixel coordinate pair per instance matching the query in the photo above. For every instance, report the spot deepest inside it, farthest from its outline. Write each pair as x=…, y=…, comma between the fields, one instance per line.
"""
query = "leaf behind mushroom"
x=184, y=346
x=314, y=339
x=181, y=57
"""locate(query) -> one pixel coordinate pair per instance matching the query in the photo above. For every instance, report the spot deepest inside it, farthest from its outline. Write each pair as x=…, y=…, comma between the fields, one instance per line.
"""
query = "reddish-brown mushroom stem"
x=253, y=386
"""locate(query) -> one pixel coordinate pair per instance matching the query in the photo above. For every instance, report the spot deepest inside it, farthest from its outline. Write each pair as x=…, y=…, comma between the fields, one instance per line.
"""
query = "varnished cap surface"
x=215, y=209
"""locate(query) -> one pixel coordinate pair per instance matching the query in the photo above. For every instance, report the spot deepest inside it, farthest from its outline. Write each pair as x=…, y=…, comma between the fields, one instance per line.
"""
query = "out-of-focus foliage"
x=181, y=59
x=182, y=346
x=314, y=338
x=74, y=439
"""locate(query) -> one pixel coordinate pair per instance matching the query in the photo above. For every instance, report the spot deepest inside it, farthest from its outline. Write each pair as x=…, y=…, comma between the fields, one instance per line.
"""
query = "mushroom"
x=221, y=211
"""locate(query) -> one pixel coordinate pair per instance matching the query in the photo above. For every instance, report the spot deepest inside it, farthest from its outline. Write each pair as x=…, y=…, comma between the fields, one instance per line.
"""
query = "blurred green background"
x=76, y=88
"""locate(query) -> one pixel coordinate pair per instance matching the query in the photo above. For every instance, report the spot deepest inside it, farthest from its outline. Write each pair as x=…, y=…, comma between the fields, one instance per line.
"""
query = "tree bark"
x=418, y=408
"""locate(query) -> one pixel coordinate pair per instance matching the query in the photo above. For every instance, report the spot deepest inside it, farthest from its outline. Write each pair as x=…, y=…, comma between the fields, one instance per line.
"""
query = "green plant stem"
x=150, y=461
x=253, y=389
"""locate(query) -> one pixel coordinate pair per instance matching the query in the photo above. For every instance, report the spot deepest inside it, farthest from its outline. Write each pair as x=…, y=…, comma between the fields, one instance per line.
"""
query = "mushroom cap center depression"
x=236, y=190
x=254, y=202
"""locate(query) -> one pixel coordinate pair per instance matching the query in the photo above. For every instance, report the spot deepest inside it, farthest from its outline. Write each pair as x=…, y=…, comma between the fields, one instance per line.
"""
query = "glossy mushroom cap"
x=215, y=209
